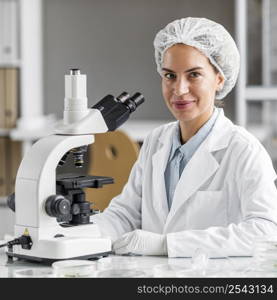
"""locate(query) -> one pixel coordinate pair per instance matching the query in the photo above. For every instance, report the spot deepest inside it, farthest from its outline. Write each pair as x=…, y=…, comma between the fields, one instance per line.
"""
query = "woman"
x=199, y=182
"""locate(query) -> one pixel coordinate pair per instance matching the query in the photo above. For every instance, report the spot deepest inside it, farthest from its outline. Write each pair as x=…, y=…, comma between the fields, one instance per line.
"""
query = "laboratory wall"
x=112, y=42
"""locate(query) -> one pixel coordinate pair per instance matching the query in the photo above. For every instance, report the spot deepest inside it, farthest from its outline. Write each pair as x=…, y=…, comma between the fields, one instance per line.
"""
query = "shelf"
x=4, y=132
x=259, y=131
x=261, y=93
x=15, y=64
x=265, y=92
x=137, y=130
x=3, y=201
x=30, y=135
x=29, y=130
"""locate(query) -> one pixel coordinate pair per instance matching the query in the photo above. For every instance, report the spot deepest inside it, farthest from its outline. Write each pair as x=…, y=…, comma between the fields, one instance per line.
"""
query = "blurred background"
x=112, y=42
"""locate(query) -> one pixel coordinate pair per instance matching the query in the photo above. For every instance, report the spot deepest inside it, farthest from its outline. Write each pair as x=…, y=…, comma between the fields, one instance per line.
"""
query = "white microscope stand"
x=36, y=181
x=36, y=177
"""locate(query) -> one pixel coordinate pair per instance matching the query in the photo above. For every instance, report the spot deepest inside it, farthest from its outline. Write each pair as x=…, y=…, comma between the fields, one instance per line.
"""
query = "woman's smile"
x=183, y=104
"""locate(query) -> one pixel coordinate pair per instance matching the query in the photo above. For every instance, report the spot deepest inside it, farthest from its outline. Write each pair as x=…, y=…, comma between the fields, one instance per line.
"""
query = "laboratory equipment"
x=74, y=268
x=117, y=262
x=119, y=266
x=34, y=273
x=51, y=213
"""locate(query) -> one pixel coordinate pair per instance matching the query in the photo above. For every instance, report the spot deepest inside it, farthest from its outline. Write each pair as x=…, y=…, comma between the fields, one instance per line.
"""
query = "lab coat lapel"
x=198, y=170
x=159, y=162
x=202, y=165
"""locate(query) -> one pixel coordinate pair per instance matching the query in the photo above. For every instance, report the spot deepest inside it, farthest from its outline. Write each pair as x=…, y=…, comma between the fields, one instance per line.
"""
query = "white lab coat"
x=225, y=197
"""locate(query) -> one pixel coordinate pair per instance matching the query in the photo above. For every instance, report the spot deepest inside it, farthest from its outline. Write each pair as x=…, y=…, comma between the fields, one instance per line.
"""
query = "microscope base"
x=49, y=261
x=63, y=248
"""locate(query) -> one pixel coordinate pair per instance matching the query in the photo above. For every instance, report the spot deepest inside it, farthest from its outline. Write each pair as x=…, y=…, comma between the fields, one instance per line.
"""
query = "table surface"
x=156, y=266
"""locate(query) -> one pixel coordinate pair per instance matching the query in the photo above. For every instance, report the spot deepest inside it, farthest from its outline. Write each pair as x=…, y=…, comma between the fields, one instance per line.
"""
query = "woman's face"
x=189, y=83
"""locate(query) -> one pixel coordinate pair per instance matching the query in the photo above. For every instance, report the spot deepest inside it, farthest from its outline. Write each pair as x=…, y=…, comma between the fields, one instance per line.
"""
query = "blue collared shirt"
x=181, y=154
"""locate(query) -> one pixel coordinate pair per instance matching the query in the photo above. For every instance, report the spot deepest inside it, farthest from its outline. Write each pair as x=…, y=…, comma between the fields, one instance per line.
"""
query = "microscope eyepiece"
x=116, y=110
x=134, y=101
x=138, y=99
x=123, y=97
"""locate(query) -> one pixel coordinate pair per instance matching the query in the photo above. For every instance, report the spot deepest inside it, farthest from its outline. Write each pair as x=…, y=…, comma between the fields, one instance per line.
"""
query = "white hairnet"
x=209, y=37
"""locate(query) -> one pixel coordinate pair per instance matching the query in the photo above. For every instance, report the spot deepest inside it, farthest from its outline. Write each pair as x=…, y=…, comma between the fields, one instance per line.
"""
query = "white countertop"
x=229, y=267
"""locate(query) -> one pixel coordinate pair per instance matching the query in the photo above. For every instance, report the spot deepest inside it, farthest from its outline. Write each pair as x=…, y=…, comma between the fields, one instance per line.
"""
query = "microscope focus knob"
x=57, y=206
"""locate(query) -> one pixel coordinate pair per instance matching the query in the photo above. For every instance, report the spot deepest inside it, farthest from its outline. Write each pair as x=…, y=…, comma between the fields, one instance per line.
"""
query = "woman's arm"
x=254, y=180
x=124, y=211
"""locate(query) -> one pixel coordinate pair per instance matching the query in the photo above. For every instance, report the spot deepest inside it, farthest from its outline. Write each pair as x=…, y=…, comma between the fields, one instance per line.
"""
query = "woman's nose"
x=181, y=87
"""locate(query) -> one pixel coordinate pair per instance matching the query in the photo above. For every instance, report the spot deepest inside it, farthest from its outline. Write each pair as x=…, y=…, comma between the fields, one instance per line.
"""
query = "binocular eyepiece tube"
x=132, y=102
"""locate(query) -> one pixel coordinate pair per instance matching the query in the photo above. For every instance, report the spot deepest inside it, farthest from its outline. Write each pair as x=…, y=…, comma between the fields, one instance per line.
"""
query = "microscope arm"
x=92, y=123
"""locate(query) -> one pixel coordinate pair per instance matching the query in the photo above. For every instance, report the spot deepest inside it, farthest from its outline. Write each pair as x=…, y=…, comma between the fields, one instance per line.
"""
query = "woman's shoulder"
x=157, y=137
x=248, y=153
x=161, y=131
x=245, y=139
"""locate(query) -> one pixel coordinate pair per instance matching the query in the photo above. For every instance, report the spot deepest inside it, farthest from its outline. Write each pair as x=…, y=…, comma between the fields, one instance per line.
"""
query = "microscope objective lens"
x=78, y=156
x=79, y=162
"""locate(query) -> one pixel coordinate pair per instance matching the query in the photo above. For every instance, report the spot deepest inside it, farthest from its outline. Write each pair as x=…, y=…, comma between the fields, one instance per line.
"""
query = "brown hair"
x=218, y=103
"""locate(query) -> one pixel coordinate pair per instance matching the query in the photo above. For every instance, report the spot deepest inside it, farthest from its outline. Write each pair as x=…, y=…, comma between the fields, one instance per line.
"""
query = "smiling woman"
x=189, y=85
x=201, y=181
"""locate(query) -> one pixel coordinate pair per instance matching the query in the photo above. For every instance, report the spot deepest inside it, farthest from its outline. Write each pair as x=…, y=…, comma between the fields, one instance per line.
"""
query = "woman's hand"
x=141, y=242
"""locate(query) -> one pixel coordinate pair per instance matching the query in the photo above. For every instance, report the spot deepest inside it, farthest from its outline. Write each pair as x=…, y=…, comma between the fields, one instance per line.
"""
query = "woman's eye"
x=169, y=76
x=194, y=74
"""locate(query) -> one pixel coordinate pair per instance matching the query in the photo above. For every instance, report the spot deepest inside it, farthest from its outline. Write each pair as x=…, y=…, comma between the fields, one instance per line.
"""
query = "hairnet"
x=210, y=38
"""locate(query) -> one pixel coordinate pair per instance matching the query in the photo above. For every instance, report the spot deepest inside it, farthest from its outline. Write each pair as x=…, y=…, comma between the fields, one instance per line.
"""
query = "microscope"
x=52, y=214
